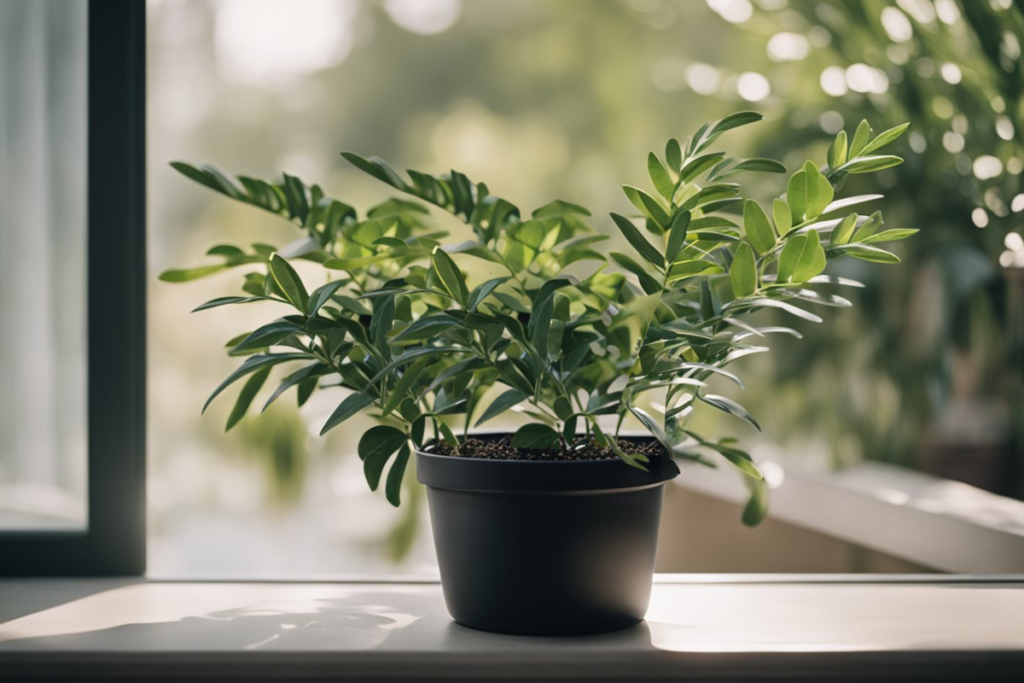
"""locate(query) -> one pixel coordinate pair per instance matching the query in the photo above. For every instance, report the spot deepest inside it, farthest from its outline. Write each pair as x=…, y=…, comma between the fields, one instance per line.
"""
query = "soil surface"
x=500, y=448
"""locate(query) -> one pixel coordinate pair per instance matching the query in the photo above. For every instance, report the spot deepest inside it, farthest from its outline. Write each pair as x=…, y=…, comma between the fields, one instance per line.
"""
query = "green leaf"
x=756, y=509
x=796, y=197
x=252, y=365
x=376, y=446
x=245, y=397
x=673, y=155
x=698, y=165
x=837, y=151
x=802, y=258
x=633, y=236
x=480, y=293
x=866, y=252
x=890, y=235
x=677, y=236
x=447, y=435
x=860, y=139
x=502, y=403
x=289, y=282
x=227, y=300
x=540, y=326
x=268, y=335
x=424, y=328
x=758, y=227
x=870, y=164
x=783, y=217
x=842, y=233
x=729, y=406
x=869, y=228
x=647, y=281
x=660, y=177
x=322, y=295
x=758, y=165
x=737, y=457
x=885, y=138
x=535, y=436
x=743, y=273
x=819, y=191
x=352, y=404
x=404, y=384
x=308, y=374
x=379, y=170
x=557, y=209
x=450, y=275
x=188, y=274
x=393, y=487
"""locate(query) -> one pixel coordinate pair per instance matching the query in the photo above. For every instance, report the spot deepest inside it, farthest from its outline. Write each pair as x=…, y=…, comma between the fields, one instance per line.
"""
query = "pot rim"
x=538, y=476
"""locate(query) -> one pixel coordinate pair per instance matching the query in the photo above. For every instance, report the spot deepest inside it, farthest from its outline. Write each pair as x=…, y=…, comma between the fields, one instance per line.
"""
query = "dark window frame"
x=115, y=541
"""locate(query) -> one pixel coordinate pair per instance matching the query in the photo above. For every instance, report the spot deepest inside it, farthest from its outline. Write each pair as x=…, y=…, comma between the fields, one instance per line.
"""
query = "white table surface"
x=698, y=627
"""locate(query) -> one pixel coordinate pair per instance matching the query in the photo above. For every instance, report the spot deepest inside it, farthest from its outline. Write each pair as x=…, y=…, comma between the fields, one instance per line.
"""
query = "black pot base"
x=541, y=548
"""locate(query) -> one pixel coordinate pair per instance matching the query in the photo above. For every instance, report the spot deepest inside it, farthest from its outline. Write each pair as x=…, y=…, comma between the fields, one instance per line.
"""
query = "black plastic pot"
x=544, y=547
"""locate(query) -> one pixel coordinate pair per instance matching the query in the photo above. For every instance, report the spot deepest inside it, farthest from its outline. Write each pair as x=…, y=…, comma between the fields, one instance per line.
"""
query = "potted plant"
x=551, y=529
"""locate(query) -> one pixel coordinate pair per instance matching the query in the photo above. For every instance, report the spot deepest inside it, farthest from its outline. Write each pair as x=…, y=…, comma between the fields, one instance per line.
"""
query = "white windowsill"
x=933, y=522
x=789, y=626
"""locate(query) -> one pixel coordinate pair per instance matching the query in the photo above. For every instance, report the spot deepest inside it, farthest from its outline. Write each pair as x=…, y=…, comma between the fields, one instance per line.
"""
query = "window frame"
x=114, y=542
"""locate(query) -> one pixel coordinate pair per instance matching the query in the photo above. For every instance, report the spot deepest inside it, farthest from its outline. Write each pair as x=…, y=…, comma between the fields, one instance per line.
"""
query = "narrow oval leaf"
x=844, y=231
x=890, y=235
x=451, y=276
x=352, y=404
x=729, y=406
x=860, y=139
x=758, y=227
x=677, y=236
x=783, y=217
x=245, y=397
x=504, y=402
x=289, y=282
x=743, y=272
x=660, y=177
x=637, y=241
x=885, y=138
x=393, y=487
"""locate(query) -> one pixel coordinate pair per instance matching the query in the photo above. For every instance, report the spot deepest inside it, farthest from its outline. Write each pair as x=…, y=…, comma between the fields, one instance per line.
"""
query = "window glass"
x=42, y=265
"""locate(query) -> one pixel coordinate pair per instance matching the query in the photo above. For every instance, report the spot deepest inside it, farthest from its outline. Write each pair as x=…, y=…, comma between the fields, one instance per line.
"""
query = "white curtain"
x=42, y=263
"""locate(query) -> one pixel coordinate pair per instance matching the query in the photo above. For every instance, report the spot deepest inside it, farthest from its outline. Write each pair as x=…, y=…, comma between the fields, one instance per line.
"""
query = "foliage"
x=414, y=340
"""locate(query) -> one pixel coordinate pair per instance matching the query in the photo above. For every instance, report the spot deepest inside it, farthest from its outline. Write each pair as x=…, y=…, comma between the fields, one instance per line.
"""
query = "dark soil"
x=500, y=448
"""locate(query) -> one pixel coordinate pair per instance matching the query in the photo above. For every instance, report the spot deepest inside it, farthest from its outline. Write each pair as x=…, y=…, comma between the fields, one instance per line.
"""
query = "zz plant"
x=407, y=336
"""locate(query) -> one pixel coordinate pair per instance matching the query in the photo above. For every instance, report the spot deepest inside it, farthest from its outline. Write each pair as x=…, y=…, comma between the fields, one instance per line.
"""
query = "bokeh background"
x=548, y=99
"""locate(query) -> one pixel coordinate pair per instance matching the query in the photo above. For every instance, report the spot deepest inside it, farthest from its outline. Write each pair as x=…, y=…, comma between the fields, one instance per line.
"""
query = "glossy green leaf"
x=842, y=233
x=890, y=235
x=404, y=384
x=353, y=403
x=393, y=486
x=637, y=241
x=660, y=177
x=289, y=282
x=246, y=396
x=782, y=216
x=860, y=139
x=885, y=138
x=729, y=406
x=673, y=155
x=802, y=258
x=251, y=365
x=870, y=164
x=758, y=227
x=451, y=276
x=743, y=272
x=502, y=403
x=677, y=236
x=376, y=446
x=837, y=150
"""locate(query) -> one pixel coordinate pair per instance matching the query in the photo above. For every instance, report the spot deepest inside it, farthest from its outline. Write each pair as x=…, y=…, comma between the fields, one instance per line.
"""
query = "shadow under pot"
x=544, y=547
